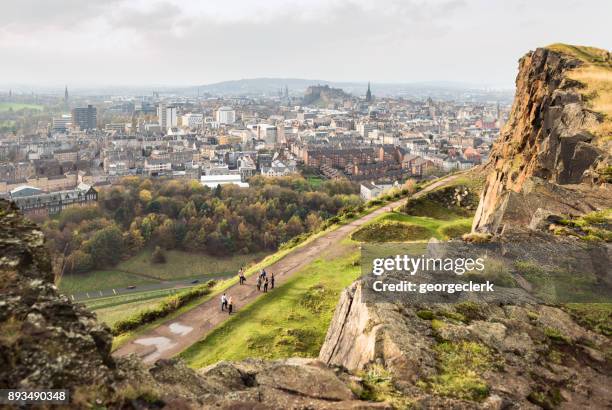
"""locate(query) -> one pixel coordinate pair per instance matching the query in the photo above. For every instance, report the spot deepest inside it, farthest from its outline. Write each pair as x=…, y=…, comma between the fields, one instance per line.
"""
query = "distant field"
x=100, y=280
x=291, y=320
x=6, y=106
x=183, y=265
x=138, y=270
x=112, y=301
x=7, y=124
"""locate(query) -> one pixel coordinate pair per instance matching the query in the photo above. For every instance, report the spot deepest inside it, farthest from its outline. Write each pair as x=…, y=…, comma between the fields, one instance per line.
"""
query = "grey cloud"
x=62, y=14
x=171, y=42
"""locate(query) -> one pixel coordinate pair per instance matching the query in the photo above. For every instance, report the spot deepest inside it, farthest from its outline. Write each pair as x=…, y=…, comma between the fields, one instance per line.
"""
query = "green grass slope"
x=291, y=320
x=398, y=227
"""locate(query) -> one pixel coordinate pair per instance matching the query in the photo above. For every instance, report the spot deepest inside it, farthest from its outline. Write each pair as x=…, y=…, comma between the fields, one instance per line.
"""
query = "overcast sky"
x=190, y=42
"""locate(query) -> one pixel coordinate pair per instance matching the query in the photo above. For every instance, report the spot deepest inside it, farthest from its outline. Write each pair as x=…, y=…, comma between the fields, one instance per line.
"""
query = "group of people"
x=263, y=281
x=227, y=303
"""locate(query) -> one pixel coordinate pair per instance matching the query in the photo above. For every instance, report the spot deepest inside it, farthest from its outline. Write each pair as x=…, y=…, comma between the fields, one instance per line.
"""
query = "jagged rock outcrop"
x=473, y=355
x=46, y=341
x=548, y=155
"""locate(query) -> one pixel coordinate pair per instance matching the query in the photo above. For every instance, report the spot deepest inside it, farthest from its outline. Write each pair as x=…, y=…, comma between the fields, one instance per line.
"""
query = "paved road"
x=176, y=335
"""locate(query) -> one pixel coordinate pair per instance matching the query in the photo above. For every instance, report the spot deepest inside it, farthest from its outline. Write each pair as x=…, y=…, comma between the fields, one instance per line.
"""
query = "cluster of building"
x=376, y=142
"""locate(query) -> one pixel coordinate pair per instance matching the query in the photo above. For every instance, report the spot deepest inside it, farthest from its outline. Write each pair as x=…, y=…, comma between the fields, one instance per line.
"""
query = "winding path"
x=177, y=334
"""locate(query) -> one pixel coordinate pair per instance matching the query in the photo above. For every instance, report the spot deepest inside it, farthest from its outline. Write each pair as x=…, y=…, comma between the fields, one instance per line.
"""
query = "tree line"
x=174, y=214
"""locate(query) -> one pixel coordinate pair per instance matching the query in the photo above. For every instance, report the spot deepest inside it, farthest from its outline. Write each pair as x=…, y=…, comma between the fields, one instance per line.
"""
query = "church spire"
x=369, y=93
x=66, y=96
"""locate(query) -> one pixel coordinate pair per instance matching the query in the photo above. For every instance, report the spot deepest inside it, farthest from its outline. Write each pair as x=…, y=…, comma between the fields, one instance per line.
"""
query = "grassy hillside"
x=290, y=320
x=397, y=227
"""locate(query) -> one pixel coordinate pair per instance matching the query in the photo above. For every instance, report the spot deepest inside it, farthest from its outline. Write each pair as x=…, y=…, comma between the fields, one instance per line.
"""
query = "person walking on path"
x=259, y=283
x=230, y=306
x=272, y=281
x=266, y=285
x=241, y=276
x=223, y=302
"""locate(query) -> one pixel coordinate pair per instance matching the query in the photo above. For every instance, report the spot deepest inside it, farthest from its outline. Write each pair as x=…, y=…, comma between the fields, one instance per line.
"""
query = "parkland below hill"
x=182, y=331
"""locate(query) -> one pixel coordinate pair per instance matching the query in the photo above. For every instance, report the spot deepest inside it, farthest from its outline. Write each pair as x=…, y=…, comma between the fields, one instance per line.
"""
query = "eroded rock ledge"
x=546, y=157
x=527, y=356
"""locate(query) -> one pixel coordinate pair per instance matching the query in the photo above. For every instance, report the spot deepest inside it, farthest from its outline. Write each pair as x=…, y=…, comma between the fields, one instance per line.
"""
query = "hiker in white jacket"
x=223, y=302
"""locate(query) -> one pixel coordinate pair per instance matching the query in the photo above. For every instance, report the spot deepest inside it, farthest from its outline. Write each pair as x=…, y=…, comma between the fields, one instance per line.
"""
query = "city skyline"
x=188, y=43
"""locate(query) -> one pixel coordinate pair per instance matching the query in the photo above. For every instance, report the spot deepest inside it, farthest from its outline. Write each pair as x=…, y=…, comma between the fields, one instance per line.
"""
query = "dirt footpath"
x=181, y=332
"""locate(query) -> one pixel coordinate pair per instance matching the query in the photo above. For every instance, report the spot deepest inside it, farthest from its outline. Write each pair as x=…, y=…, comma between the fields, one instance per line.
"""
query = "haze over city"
x=306, y=204
x=180, y=43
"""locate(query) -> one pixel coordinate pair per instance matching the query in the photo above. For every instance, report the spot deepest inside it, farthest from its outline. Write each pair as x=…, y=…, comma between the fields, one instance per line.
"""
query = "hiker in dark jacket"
x=266, y=285
x=272, y=281
x=230, y=306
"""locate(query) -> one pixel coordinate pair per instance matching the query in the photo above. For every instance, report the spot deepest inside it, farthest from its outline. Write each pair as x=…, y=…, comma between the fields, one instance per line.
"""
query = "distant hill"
x=297, y=87
x=267, y=87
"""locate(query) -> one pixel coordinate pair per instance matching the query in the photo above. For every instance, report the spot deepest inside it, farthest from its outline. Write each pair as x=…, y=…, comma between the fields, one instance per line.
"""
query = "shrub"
x=470, y=310
x=477, y=237
x=456, y=230
x=425, y=314
x=460, y=367
x=556, y=336
x=164, y=308
x=594, y=316
x=549, y=399
x=158, y=255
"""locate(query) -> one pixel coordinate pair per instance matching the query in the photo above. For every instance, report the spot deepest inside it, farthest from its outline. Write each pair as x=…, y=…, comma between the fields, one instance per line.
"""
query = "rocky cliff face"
x=554, y=152
x=470, y=355
x=551, y=164
x=48, y=342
